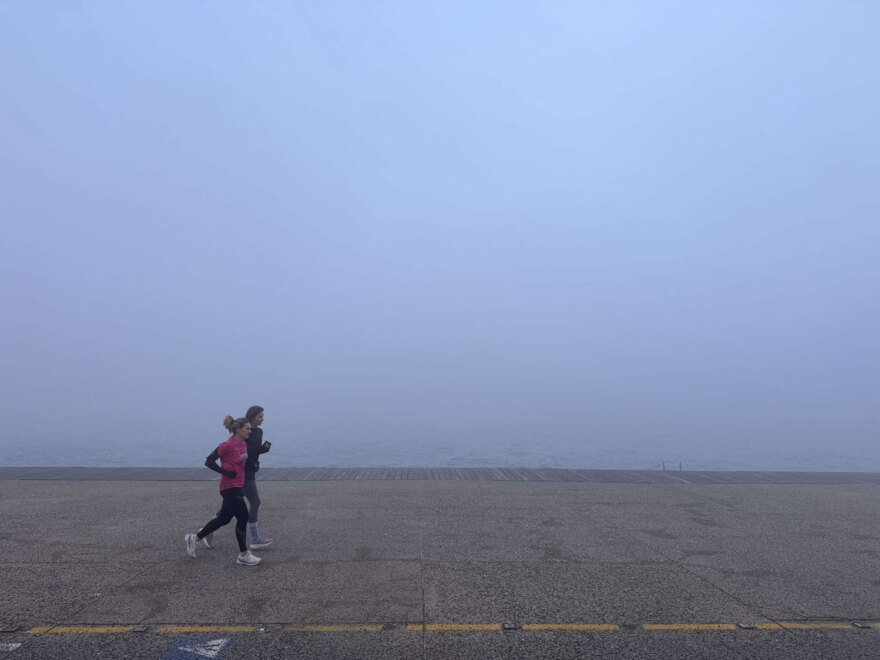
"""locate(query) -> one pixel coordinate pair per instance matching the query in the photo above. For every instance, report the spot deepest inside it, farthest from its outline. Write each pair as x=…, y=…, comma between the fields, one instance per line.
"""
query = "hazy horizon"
x=581, y=234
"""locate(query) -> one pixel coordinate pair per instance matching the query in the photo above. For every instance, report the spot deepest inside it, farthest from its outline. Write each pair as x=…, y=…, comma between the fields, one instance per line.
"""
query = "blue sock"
x=254, y=529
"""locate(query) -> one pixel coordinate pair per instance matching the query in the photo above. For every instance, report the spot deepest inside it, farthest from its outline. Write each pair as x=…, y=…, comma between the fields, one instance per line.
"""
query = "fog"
x=570, y=234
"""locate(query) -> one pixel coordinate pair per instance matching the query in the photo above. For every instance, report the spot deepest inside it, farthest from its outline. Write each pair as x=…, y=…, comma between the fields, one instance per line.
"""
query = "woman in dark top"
x=256, y=446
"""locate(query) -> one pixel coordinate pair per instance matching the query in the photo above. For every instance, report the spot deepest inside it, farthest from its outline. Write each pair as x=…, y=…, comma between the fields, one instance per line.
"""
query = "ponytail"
x=232, y=425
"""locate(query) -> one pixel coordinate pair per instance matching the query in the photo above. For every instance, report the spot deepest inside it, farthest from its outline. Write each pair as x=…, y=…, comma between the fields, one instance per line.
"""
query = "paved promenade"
x=445, y=568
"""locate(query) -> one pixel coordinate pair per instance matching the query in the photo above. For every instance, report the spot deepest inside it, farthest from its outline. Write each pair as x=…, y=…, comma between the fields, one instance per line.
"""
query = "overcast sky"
x=414, y=227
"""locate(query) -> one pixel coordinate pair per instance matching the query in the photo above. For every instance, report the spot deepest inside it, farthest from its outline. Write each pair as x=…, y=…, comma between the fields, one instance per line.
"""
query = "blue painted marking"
x=190, y=647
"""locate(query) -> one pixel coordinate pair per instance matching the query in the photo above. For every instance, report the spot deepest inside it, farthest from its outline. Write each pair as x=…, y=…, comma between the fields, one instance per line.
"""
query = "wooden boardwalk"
x=445, y=474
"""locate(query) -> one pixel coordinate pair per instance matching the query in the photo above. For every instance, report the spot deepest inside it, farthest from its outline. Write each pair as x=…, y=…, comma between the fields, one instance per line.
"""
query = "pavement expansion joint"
x=426, y=627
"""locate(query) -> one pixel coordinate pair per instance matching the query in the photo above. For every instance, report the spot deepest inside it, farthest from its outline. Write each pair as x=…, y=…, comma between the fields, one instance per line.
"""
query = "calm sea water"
x=143, y=450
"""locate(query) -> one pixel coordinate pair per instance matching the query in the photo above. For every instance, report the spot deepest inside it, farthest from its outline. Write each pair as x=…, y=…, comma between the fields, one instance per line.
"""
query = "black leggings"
x=253, y=499
x=233, y=505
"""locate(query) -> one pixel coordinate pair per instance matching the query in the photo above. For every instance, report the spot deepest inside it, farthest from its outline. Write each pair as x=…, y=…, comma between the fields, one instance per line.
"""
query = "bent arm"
x=211, y=463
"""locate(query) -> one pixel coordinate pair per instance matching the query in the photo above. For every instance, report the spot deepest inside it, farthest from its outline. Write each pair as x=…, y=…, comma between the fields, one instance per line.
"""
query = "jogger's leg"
x=253, y=498
x=223, y=517
x=241, y=516
x=227, y=510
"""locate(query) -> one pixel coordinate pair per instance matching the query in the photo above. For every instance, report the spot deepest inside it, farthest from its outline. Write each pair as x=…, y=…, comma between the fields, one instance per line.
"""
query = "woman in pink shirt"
x=233, y=456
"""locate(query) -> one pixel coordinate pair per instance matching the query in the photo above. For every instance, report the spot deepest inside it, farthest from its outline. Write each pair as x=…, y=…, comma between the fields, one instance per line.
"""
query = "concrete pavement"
x=440, y=569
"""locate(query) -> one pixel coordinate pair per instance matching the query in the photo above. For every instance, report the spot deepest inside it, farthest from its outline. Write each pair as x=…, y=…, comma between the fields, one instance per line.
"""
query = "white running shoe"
x=248, y=559
x=190, y=540
x=207, y=541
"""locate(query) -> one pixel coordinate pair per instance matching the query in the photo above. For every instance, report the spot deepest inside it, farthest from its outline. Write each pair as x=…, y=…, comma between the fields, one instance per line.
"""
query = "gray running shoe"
x=249, y=559
x=260, y=543
x=190, y=540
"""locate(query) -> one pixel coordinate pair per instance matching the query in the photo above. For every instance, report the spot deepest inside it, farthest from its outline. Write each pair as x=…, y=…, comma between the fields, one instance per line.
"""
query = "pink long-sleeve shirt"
x=233, y=456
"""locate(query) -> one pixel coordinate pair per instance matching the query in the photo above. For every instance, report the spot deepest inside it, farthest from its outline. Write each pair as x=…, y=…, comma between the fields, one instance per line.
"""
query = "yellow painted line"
x=816, y=625
x=467, y=627
x=688, y=626
x=571, y=626
x=205, y=629
x=80, y=630
x=768, y=626
x=364, y=628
